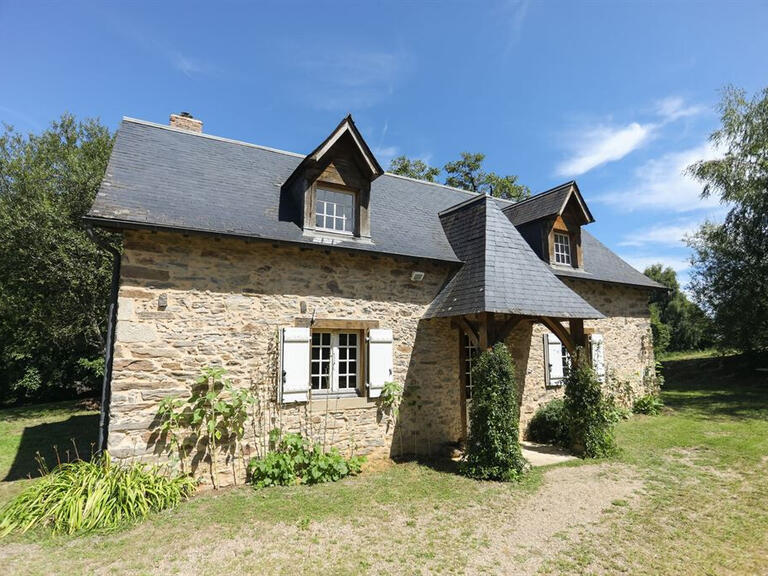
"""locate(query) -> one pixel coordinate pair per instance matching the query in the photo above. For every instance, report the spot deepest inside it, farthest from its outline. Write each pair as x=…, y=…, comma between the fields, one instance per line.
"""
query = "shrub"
x=295, y=460
x=648, y=404
x=215, y=413
x=549, y=425
x=81, y=496
x=590, y=416
x=493, y=448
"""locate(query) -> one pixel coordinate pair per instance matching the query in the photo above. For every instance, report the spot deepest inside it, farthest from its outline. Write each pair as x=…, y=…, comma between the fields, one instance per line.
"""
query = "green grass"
x=46, y=428
x=705, y=460
x=692, y=354
x=702, y=464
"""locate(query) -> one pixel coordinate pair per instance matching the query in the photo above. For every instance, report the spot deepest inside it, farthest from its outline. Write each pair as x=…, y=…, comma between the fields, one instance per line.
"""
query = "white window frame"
x=329, y=211
x=562, y=243
x=471, y=352
x=335, y=362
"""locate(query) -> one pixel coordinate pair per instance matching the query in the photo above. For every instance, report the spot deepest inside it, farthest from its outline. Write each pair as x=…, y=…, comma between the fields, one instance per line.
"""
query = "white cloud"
x=384, y=154
x=184, y=64
x=346, y=79
x=642, y=261
x=595, y=146
x=605, y=144
x=674, y=108
x=665, y=234
x=661, y=184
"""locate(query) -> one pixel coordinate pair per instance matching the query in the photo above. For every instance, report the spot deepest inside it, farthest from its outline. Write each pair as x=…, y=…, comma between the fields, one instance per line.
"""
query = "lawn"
x=687, y=495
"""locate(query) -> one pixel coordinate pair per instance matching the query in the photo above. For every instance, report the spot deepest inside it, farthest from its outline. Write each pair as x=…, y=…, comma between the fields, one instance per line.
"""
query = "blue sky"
x=620, y=96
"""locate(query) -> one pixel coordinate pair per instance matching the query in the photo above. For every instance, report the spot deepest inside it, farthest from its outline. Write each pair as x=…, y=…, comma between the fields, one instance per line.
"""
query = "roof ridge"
x=211, y=136
x=540, y=194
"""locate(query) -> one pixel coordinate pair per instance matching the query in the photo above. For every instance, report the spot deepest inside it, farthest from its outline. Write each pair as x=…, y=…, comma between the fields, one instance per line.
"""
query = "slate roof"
x=500, y=273
x=544, y=204
x=604, y=265
x=161, y=177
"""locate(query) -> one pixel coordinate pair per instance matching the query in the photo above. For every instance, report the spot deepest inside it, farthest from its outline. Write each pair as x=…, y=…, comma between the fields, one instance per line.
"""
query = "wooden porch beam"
x=463, y=324
x=503, y=332
x=561, y=332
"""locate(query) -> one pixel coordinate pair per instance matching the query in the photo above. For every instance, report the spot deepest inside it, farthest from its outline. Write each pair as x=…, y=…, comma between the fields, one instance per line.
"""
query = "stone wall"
x=626, y=330
x=186, y=302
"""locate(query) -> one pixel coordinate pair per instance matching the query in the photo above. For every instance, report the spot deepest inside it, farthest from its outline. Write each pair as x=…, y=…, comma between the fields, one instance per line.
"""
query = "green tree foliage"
x=466, y=173
x=730, y=260
x=676, y=322
x=418, y=169
x=589, y=414
x=549, y=424
x=54, y=280
x=493, y=448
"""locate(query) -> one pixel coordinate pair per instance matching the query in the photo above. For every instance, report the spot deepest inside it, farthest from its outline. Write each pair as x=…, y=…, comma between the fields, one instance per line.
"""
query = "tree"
x=467, y=173
x=493, y=447
x=730, y=260
x=54, y=280
x=417, y=169
x=676, y=322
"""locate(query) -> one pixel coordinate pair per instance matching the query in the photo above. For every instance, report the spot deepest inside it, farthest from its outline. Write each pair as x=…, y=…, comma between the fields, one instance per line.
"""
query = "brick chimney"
x=186, y=121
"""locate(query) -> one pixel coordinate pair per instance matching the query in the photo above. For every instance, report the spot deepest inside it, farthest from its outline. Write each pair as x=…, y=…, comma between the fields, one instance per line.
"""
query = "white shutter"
x=379, y=360
x=553, y=357
x=598, y=355
x=294, y=364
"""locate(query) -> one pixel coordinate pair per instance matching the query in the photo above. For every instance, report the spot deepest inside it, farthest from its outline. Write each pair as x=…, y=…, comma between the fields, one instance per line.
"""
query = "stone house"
x=314, y=279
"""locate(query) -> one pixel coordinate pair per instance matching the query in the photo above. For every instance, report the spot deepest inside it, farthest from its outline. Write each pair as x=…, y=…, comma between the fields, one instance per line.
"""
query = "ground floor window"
x=470, y=356
x=335, y=362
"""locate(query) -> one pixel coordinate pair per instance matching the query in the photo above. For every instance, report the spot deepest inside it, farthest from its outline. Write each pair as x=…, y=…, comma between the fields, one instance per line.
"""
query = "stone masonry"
x=226, y=300
x=187, y=302
x=626, y=331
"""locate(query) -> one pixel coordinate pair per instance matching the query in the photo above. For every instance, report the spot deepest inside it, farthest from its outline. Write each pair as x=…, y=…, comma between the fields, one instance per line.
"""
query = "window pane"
x=321, y=360
x=347, y=352
x=335, y=210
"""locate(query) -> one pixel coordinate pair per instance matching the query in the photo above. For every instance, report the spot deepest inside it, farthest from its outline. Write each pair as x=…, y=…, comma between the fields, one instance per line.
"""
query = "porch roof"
x=500, y=273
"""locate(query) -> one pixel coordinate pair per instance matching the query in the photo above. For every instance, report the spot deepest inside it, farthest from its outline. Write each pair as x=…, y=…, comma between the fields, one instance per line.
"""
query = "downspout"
x=106, y=386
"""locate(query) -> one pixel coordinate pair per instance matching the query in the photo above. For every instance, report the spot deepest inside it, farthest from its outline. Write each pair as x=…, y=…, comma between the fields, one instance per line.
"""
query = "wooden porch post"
x=579, y=338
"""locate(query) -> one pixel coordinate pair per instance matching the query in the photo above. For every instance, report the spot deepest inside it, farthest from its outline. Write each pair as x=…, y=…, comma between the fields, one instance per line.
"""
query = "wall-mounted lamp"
x=162, y=301
x=417, y=276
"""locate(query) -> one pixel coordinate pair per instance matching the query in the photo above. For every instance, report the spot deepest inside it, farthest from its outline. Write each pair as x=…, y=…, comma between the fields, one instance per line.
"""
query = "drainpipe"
x=106, y=386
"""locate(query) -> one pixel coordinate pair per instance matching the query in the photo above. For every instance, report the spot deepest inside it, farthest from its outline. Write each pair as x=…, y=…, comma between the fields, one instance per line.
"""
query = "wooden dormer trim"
x=343, y=161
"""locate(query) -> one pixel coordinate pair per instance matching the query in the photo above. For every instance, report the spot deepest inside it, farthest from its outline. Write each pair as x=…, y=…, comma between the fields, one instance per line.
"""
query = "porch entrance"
x=478, y=332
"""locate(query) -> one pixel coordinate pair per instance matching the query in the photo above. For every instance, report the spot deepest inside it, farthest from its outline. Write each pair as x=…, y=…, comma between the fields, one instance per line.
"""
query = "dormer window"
x=330, y=189
x=562, y=249
x=335, y=210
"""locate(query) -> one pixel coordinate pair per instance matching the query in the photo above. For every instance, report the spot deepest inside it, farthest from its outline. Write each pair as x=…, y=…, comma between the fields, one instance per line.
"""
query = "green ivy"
x=493, y=447
x=589, y=415
x=295, y=460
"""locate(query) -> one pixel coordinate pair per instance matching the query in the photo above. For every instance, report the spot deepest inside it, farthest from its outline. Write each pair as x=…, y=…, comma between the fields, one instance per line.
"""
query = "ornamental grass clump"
x=493, y=447
x=82, y=496
x=590, y=416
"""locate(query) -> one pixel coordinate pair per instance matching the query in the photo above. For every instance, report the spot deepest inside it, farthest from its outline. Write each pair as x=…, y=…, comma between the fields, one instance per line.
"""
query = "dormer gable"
x=329, y=191
x=551, y=223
